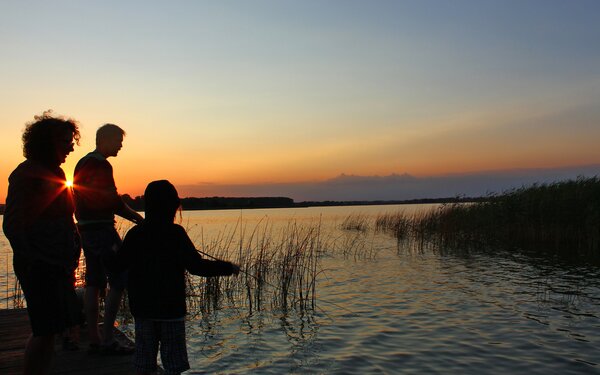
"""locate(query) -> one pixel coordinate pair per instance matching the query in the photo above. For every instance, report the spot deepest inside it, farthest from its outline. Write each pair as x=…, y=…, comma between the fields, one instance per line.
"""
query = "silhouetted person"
x=157, y=253
x=38, y=222
x=97, y=202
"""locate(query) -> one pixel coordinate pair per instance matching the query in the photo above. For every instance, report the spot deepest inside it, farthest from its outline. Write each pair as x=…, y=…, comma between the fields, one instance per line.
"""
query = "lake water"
x=386, y=309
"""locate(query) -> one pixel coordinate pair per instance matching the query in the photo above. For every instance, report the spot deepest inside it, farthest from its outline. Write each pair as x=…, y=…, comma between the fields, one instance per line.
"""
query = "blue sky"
x=256, y=92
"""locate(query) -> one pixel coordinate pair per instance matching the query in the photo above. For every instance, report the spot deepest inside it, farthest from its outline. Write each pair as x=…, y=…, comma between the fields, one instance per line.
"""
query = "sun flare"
x=69, y=183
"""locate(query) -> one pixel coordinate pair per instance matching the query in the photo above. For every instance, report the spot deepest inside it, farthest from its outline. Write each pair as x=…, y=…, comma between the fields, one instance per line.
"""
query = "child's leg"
x=173, y=351
x=147, y=336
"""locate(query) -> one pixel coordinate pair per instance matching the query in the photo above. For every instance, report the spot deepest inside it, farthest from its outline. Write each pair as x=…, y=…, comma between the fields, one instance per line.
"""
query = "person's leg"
x=40, y=284
x=146, y=346
x=70, y=339
x=173, y=350
x=117, y=282
x=111, y=307
x=95, y=281
x=73, y=314
x=39, y=353
x=91, y=314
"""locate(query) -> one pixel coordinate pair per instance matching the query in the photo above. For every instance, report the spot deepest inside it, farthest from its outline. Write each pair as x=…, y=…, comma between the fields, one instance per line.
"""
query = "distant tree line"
x=223, y=203
x=380, y=202
x=214, y=203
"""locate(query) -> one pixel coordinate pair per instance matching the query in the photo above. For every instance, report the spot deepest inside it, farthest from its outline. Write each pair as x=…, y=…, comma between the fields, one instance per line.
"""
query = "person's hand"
x=138, y=219
x=235, y=268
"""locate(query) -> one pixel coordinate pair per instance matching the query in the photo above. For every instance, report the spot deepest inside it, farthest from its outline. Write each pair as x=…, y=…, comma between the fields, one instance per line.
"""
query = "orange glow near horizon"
x=420, y=153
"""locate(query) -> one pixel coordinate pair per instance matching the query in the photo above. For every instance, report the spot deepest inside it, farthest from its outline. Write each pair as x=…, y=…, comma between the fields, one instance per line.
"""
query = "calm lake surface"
x=392, y=309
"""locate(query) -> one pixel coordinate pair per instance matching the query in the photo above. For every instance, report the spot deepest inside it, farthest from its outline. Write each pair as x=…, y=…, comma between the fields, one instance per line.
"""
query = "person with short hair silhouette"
x=38, y=222
x=96, y=203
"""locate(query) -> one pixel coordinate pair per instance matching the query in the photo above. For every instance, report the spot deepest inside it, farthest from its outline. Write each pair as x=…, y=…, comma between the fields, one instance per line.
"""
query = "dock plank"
x=15, y=330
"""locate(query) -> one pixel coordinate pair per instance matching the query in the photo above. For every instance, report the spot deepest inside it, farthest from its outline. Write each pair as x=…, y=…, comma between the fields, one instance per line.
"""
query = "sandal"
x=116, y=349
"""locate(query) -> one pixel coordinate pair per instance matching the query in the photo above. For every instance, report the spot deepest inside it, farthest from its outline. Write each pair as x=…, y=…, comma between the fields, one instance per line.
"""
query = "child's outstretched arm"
x=197, y=265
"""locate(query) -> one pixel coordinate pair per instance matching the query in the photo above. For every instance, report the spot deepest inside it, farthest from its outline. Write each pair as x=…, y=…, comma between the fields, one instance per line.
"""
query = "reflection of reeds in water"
x=561, y=217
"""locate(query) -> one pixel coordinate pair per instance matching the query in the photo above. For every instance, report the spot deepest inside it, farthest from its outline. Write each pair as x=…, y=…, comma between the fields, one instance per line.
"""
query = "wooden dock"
x=15, y=329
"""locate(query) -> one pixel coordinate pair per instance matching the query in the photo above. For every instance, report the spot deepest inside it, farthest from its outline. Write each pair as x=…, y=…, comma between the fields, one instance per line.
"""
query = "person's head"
x=49, y=139
x=109, y=139
x=162, y=201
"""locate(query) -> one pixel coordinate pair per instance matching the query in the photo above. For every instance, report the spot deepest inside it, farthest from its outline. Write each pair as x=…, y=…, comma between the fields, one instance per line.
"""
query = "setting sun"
x=69, y=183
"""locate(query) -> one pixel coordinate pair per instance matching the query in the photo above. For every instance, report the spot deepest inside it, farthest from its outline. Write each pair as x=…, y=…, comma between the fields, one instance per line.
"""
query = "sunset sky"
x=249, y=93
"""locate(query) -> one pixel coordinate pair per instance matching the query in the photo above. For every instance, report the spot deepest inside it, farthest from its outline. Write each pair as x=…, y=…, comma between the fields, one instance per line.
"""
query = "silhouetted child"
x=157, y=252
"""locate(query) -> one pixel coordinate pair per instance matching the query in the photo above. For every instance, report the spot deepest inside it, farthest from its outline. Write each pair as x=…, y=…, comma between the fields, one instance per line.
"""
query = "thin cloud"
x=395, y=186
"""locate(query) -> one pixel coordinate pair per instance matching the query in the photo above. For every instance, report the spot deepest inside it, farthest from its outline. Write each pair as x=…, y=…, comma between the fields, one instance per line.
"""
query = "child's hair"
x=161, y=200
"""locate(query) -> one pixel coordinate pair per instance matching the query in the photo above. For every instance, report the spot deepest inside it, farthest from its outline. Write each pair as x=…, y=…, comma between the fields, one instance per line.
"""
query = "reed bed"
x=356, y=222
x=280, y=265
x=561, y=217
x=279, y=268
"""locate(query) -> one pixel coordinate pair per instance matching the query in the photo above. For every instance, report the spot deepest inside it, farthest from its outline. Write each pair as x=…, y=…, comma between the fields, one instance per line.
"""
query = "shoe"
x=116, y=349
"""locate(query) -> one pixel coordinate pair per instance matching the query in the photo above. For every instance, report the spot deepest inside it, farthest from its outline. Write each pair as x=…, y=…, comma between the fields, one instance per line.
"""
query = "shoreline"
x=233, y=203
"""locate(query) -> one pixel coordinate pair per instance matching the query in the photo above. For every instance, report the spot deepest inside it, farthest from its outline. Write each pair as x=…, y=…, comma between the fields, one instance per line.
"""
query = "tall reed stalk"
x=279, y=268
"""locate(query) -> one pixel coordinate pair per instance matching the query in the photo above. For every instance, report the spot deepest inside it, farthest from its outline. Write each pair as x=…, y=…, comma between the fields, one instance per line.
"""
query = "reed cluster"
x=357, y=222
x=561, y=217
x=279, y=269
